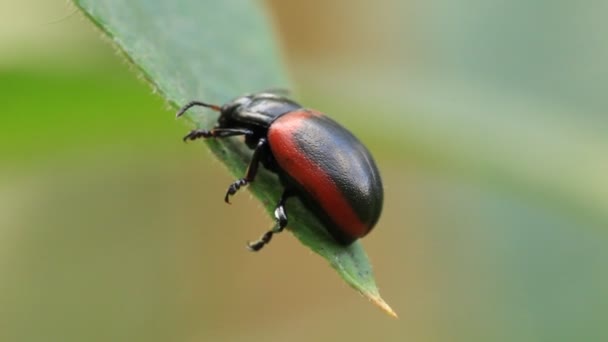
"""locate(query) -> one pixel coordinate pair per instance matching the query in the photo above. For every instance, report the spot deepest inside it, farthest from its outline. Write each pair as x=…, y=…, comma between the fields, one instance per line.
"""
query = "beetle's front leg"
x=260, y=150
x=216, y=133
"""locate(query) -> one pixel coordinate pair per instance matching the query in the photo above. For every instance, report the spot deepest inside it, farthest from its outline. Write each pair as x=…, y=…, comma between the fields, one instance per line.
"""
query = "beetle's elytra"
x=315, y=158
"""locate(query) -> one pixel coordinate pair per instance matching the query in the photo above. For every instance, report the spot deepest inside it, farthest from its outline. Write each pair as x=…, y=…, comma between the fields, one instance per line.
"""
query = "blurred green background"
x=488, y=120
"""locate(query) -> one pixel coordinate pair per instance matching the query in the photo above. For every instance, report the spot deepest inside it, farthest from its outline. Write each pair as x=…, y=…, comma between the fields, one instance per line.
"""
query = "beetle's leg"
x=216, y=133
x=281, y=216
x=252, y=170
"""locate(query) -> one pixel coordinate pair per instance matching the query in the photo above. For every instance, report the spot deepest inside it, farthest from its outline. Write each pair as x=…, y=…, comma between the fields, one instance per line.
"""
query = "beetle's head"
x=230, y=110
x=258, y=109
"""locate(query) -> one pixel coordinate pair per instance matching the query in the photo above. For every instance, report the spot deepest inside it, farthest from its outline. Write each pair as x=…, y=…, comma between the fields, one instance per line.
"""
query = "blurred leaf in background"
x=487, y=118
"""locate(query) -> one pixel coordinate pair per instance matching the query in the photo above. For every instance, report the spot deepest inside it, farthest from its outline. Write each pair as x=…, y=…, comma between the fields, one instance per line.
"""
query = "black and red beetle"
x=315, y=158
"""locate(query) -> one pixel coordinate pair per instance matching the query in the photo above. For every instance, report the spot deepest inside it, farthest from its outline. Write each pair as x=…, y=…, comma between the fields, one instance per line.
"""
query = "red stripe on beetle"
x=311, y=176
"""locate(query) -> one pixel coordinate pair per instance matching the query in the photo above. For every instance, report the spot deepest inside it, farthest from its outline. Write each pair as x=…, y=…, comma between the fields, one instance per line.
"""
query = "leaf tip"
x=378, y=301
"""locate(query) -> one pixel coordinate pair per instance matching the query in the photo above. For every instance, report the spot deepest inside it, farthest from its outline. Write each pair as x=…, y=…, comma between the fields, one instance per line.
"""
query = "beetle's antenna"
x=197, y=103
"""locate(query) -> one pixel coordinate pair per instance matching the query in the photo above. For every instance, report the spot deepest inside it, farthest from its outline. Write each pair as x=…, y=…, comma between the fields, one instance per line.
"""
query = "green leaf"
x=215, y=51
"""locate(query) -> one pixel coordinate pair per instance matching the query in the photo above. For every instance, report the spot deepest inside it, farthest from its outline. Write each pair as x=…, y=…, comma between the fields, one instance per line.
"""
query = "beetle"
x=315, y=158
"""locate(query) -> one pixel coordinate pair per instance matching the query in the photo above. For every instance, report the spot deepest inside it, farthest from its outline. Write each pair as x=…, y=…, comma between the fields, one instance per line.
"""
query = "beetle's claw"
x=264, y=240
x=233, y=188
x=254, y=246
x=197, y=133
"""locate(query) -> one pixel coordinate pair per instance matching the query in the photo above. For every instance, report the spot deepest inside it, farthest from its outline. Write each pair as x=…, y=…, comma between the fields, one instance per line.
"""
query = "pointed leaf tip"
x=378, y=301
